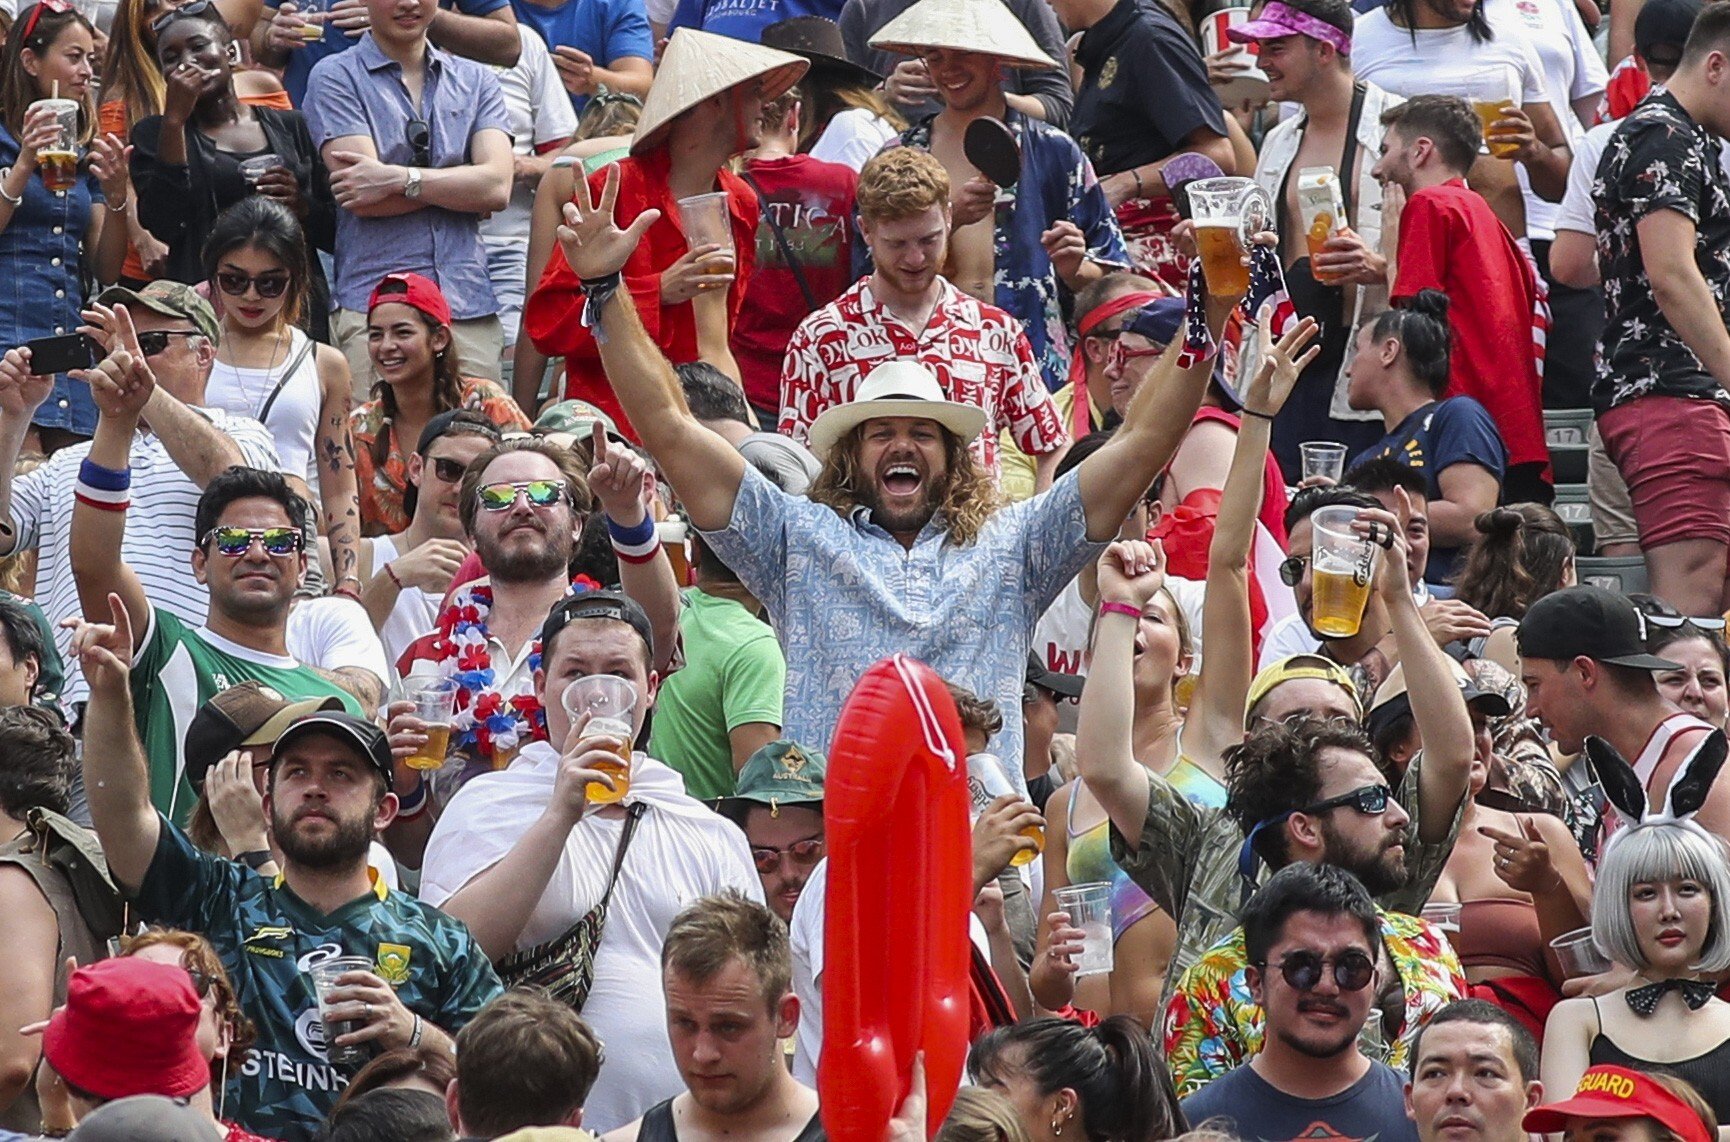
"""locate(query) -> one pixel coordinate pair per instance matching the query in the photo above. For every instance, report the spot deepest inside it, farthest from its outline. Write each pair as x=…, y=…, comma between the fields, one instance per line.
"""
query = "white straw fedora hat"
x=697, y=65
x=986, y=26
x=896, y=388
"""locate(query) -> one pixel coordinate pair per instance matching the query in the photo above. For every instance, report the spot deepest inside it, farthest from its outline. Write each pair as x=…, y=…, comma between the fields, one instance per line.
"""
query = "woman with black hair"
x=1101, y=1084
x=192, y=161
x=1401, y=371
x=260, y=273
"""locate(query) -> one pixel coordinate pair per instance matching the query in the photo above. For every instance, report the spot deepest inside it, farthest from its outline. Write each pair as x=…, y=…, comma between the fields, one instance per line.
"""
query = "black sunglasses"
x=1366, y=799
x=235, y=284
x=196, y=8
x=420, y=139
x=156, y=340
x=448, y=470
x=1291, y=571
x=1302, y=971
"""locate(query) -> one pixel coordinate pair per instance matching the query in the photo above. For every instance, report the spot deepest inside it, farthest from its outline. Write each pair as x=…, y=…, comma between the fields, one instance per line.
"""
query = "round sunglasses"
x=235, y=284
x=1302, y=971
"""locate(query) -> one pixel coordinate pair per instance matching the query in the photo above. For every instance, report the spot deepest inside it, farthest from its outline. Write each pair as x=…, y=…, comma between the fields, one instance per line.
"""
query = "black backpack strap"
x=786, y=247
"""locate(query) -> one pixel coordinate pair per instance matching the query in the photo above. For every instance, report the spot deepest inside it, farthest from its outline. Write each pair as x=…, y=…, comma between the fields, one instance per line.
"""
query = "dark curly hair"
x=1274, y=772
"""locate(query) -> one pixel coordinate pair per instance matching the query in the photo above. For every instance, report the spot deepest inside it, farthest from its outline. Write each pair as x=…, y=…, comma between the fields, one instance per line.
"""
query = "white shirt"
x=1060, y=638
x=540, y=112
x=415, y=613
x=805, y=937
x=333, y=632
x=680, y=852
x=1577, y=211
x=852, y=137
x=294, y=414
x=159, y=529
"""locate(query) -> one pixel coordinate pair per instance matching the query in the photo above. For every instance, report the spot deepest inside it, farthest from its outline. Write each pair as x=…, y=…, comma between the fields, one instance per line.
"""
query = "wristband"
x=1135, y=173
x=346, y=592
x=107, y=499
x=10, y=200
x=1111, y=608
x=108, y=479
x=391, y=573
x=412, y=805
x=597, y=292
x=637, y=544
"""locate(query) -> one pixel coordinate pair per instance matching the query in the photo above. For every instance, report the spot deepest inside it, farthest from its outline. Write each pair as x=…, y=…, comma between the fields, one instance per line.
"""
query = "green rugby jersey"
x=180, y=668
x=268, y=938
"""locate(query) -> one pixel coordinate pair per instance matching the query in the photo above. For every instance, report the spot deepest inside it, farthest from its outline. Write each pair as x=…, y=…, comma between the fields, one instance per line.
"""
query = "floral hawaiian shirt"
x=1658, y=159
x=381, y=485
x=1212, y=1025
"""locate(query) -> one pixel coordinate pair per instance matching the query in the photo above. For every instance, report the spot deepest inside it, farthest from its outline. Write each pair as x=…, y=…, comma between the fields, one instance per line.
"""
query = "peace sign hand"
x=594, y=245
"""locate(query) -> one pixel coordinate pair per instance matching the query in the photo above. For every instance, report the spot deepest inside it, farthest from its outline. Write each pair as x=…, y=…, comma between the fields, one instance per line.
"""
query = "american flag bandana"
x=1265, y=301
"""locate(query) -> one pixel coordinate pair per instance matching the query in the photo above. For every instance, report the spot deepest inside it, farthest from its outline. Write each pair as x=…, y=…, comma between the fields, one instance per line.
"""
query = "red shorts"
x=1674, y=454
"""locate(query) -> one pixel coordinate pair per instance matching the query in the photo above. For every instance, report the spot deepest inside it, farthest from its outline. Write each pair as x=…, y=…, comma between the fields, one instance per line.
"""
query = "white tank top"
x=293, y=418
x=1657, y=746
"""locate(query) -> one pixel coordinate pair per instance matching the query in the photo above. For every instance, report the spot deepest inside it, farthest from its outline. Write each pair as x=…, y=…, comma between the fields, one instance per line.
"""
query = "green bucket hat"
x=170, y=299
x=781, y=773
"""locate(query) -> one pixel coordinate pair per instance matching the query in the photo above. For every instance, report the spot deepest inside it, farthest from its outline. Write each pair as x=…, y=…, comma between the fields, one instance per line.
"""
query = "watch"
x=411, y=189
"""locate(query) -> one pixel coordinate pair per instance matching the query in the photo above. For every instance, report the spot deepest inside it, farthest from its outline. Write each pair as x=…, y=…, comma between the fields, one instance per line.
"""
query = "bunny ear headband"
x=1627, y=794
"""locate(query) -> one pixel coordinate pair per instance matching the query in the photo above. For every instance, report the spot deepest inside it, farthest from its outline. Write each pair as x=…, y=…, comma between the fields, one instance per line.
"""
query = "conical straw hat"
x=986, y=26
x=697, y=65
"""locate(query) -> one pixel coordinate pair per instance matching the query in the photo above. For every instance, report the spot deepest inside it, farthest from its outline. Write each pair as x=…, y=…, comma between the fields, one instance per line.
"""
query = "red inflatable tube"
x=895, y=942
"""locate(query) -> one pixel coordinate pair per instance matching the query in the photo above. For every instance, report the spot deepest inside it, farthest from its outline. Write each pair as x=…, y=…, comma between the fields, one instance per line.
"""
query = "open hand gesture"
x=1278, y=372
x=594, y=245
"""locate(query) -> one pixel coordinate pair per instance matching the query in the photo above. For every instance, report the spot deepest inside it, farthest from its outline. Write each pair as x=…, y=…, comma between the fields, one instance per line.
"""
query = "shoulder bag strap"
x=781, y=241
x=287, y=375
x=632, y=816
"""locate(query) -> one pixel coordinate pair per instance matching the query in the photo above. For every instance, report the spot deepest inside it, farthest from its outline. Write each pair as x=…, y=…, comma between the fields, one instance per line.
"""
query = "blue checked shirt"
x=843, y=593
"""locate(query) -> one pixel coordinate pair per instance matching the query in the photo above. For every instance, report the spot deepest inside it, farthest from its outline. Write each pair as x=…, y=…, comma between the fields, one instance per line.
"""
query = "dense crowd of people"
x=525, y=525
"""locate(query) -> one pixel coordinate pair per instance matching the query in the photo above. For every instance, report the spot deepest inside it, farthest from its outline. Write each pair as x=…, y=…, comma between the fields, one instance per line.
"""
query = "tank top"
x=1708, y=1073
x=1502, y=934
x=1090, y=862
x=1646, y=764
x=287, y=398
x=657, y=1126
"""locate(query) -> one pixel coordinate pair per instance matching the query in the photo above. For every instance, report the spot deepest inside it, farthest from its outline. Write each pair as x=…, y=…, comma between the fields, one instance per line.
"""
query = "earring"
x=1057, y=1127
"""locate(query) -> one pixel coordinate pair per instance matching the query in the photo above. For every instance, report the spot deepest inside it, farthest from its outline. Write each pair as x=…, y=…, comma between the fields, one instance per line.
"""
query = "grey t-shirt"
x=1373, y=1109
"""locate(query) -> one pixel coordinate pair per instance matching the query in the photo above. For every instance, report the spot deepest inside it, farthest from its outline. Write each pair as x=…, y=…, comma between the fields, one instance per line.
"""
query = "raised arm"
x=116, y=778
x=1215, y=721
x=704, y=469
x=21, y=394
x=623, y=483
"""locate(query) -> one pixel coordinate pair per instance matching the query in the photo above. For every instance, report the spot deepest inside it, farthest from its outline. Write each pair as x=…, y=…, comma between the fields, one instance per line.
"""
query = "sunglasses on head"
x=804, y=853
x=156, y=340
x=1675, y=622
x=237, y=541
x=58, y=7
x=541, y=493
x=448, y=470
x=196, y=8
x=1367, y=799
x=1297, y=717
x=419, y=137
x=1302, y=971
x=235, y=284
x=1291, y=571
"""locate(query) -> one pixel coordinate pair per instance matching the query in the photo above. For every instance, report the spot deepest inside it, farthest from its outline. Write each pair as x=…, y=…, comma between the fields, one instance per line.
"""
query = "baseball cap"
x=1290, y=669
x=129, y=1026
x=1662, y=28
x=780, y=773
x=249, y=713
x=1064, y=685
x=1587, y=622
x=146, y=1118
x=473, y=423
x=1158, y=321
x=1392, y=701
x=1617, y=1092
x=412, y=290
x=598, y=605
x=371, y=741
x=577, y=417
x=168, y=299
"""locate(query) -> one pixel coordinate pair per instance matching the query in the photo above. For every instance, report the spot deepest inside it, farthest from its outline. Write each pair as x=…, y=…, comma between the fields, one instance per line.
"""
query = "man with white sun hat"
x=1058, y=226
x=703, y=109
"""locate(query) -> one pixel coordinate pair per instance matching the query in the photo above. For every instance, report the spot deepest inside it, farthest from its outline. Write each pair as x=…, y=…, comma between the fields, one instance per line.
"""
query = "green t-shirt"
x=267, y=938
x=176, y=671
x=734, y=674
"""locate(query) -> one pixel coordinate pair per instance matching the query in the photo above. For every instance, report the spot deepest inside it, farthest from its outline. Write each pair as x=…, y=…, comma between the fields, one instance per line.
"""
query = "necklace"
x=254, y=400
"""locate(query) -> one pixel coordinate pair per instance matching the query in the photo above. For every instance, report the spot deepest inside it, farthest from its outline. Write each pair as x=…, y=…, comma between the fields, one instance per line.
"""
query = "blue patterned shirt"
x=843, y=594
x=1057, y=183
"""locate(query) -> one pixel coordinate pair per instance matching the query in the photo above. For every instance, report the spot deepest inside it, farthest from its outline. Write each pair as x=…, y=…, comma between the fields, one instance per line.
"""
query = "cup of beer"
x=313, y=14
x=706, y=222
x=324, y=975
x=674, y=534
x=1228, y=213
x=609, y=701
x=58, y=161
x=1323, y=458
x=1499, y=90
x=434, y=703
x=987, y=780
x=1341, y=565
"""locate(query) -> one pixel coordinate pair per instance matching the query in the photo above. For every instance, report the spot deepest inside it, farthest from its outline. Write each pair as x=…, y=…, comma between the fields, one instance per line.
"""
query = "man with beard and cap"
x=706, y=105
x=901, y=545
x=1314, y=938
x=779, y=806
x=328, y=792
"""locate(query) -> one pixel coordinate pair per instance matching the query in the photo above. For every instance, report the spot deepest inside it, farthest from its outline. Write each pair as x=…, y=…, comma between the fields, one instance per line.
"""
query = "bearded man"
x=902, y=545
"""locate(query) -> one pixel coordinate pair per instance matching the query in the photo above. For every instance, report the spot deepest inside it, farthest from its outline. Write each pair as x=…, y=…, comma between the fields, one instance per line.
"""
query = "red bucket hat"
x=412, y=290
x=129, y=1027
x=1617, y=1092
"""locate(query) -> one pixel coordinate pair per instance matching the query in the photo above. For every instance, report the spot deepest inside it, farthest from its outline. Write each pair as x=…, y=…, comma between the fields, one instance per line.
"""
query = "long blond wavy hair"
x=967, y=495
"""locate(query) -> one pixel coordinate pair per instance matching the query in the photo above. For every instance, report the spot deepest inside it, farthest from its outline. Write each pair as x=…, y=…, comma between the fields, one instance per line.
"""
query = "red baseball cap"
x=412, y=290
x=1617, y=1092
x=129, y=1027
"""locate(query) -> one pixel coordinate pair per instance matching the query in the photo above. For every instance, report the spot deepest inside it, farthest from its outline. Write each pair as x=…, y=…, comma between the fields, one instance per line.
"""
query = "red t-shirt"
x=813, y=202
x=1450, y=240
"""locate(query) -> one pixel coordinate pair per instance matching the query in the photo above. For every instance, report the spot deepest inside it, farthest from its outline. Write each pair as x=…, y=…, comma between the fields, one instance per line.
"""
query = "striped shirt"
x=159, y=528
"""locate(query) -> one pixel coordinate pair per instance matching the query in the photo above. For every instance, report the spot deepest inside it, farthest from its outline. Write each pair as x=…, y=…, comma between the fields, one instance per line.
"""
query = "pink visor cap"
x=1278, y=20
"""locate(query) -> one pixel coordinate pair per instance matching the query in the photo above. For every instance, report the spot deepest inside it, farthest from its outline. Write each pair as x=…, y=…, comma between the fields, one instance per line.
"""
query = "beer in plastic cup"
x=674, y=533
x=1500, y=90
x=1222, y=257
x=58, y=161
x=324, y=976
x=986, y=782
x=1323, y=458
x=435, y=703
x=609, y=701
x=1228, y=213
x=1341, y=565
x=1323, y=212
x=1089, y=908
x=706, y=222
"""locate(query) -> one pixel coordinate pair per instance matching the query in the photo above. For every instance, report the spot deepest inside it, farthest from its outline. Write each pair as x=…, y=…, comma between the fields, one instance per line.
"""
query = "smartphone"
x=60, y=354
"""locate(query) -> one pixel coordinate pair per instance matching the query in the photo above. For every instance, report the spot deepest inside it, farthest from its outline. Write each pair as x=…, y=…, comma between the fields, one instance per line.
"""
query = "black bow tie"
x=1695, y=993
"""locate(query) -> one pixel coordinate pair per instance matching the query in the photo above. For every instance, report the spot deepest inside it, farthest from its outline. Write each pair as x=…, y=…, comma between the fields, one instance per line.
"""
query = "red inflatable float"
x=900, y=886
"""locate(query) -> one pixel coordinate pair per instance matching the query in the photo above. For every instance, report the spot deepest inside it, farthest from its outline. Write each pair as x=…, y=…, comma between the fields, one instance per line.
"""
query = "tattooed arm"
x=366, y=687
x=334, y=455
